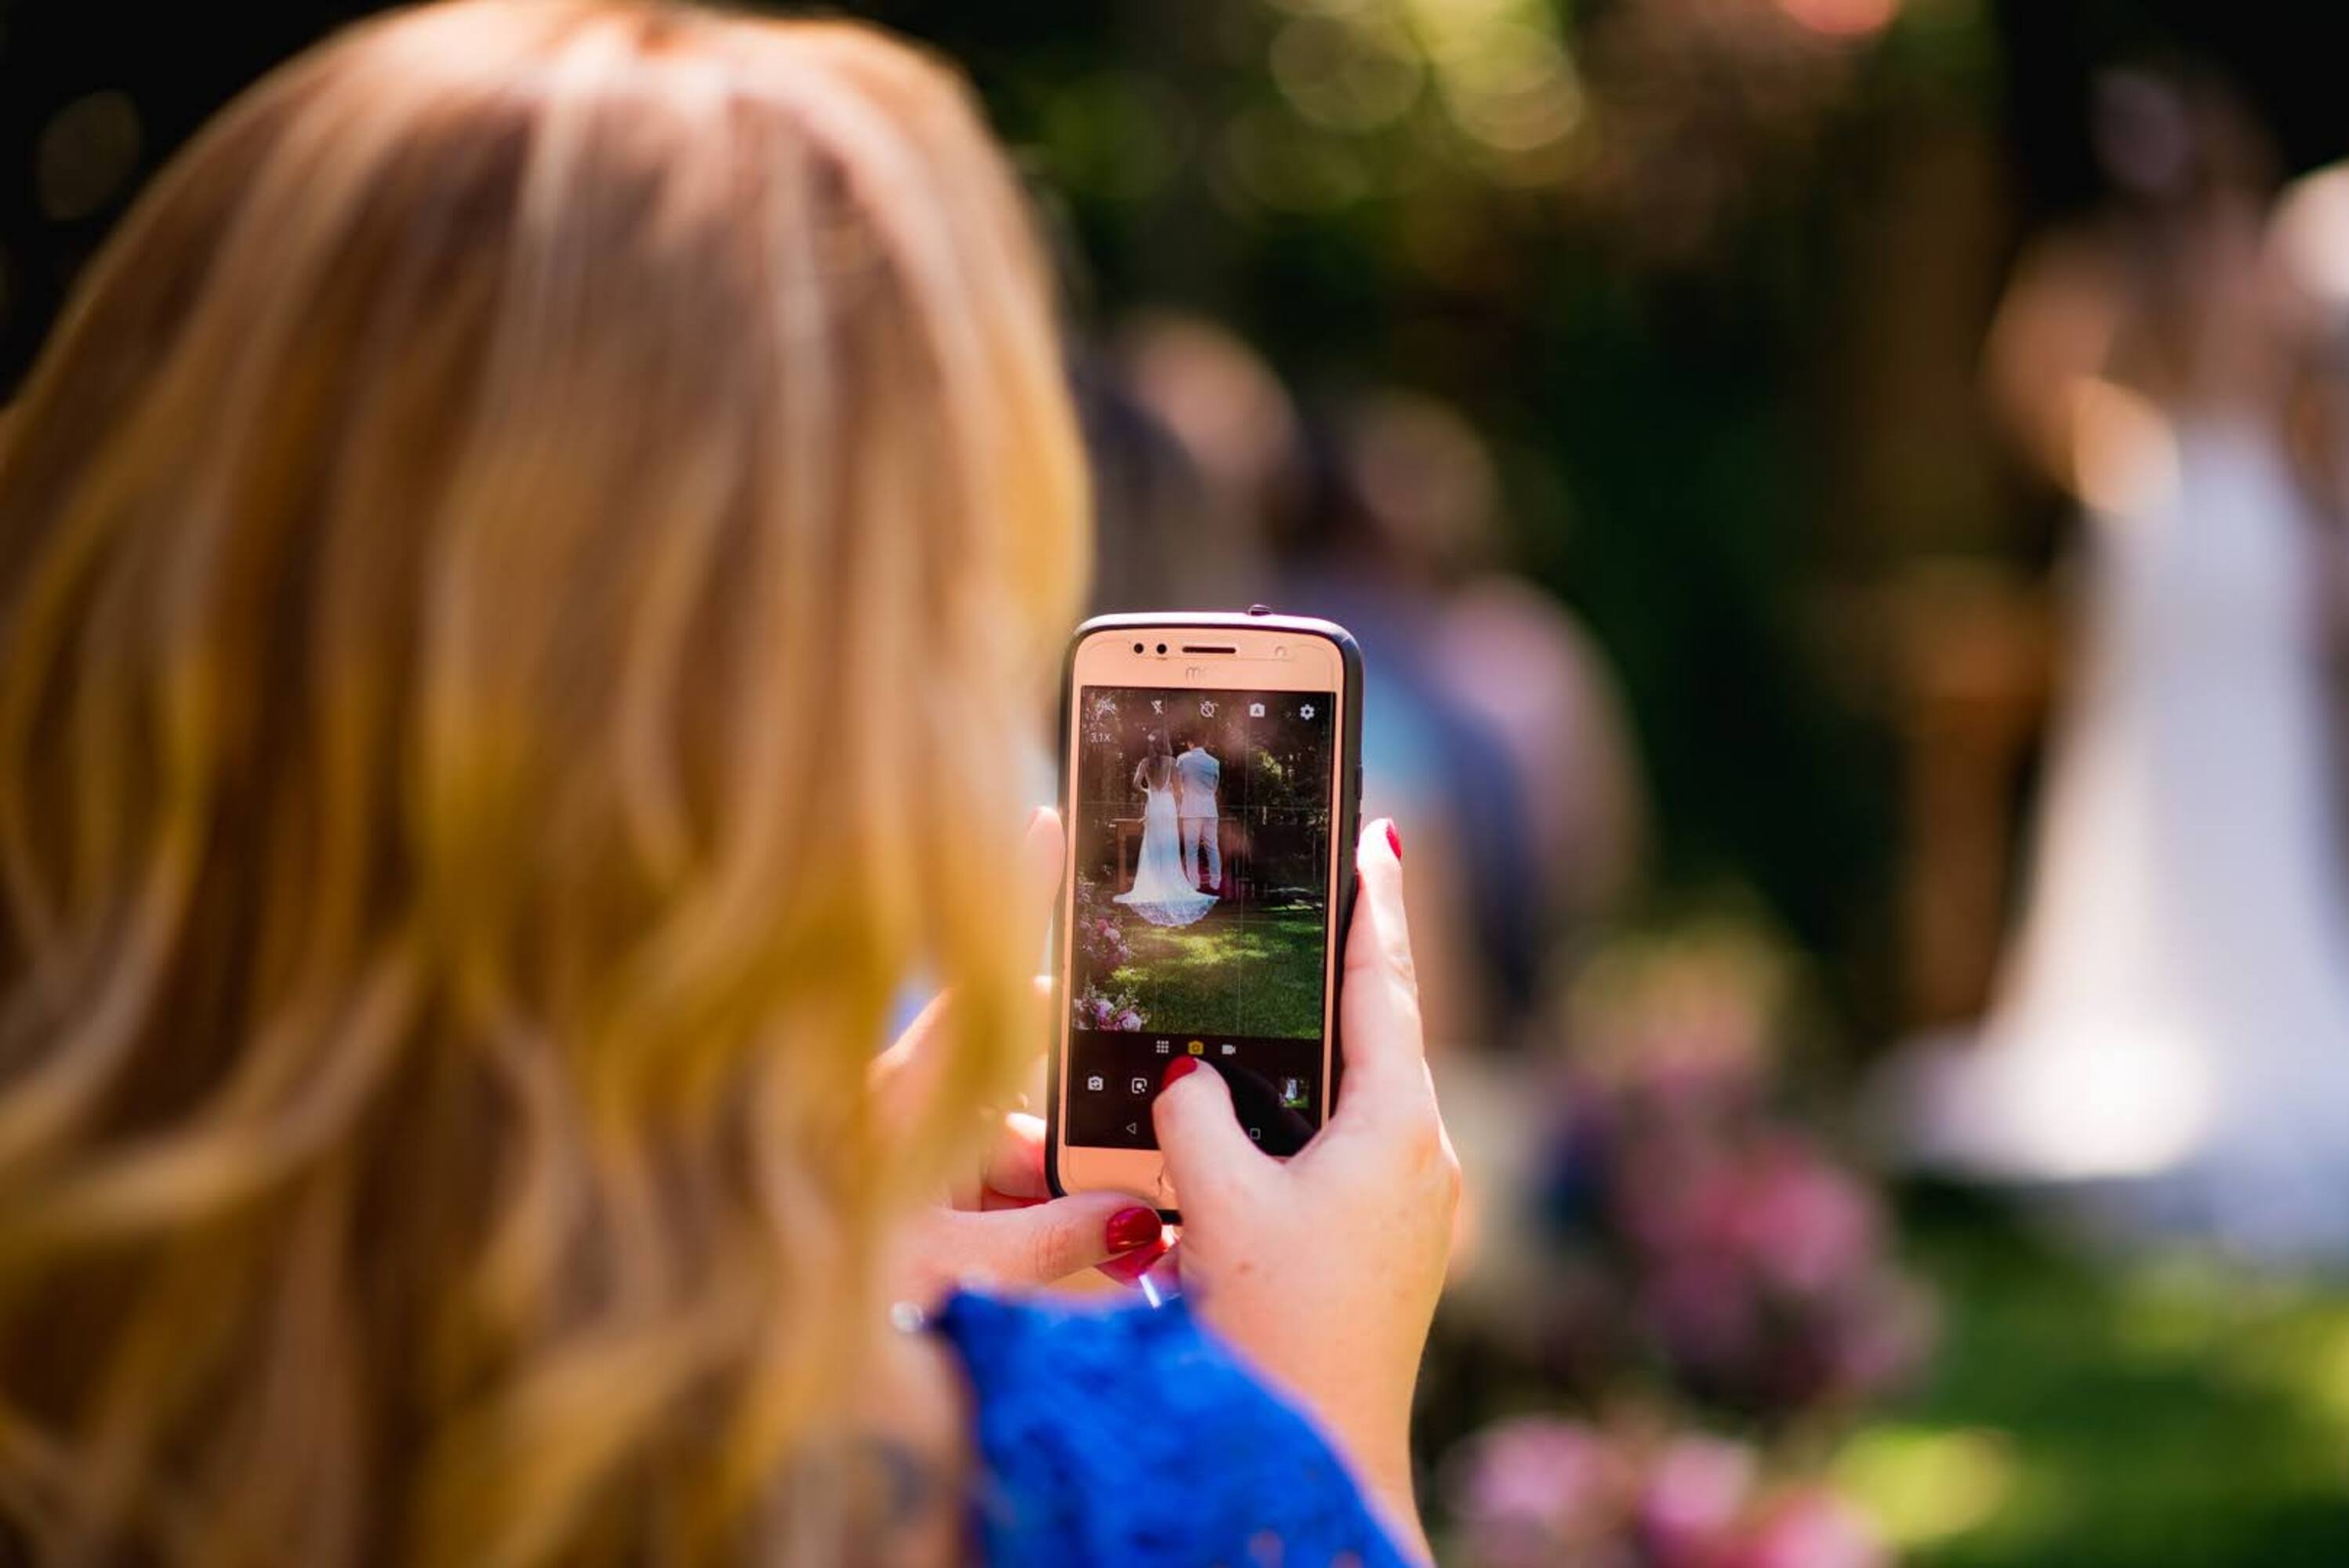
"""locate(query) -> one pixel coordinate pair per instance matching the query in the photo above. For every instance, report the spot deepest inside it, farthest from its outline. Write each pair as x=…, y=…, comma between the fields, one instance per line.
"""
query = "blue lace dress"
x=1132, y=1437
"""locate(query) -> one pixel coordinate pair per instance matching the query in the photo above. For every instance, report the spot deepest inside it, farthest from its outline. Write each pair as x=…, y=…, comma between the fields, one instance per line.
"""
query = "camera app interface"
x=1202, y=844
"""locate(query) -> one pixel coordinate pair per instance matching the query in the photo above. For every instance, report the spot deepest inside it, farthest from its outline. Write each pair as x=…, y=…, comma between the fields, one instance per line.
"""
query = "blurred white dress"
x=2174, y=1016
x=1161, y=893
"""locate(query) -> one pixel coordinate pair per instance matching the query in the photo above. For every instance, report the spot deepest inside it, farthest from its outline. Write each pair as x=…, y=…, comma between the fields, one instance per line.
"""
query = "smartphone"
x=1211, y=782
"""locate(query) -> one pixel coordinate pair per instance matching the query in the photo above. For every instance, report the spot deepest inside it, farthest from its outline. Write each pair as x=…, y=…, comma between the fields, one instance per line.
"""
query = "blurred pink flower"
x=1537, y=1492
x=1696, y=1491
x=1100, y=938
x=1812, y=1528
x=1807, y=1226
x=1538, y=1489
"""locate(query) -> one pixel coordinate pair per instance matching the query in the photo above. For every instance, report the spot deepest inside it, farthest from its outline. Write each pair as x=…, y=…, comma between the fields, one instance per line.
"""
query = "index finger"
x=1378, y=999
x=1015, y=1161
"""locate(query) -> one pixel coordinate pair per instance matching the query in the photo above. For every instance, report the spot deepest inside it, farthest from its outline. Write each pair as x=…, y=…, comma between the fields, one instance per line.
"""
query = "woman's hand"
x=1006, y=1228
x=1324, y=1270
x=1002, y=1225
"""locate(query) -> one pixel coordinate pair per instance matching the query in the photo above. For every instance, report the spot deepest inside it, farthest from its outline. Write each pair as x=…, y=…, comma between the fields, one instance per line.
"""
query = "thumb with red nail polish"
x=1041, y=1243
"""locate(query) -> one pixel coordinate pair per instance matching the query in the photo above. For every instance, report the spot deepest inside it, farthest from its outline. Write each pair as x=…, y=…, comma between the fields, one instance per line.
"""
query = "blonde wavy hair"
x=504, y=567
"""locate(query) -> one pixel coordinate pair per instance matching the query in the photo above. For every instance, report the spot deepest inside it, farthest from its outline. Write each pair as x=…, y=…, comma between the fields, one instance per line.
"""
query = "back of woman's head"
x=505, y=568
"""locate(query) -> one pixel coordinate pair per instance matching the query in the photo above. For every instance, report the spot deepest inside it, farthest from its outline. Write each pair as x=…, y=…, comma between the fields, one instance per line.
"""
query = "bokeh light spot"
x=2312, y=235
x=1345, y=76
x=1281, y=165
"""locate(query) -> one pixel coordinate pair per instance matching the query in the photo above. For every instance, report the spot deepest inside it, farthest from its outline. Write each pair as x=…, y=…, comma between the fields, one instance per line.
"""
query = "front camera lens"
x=1161, y=647
x=1137, y=648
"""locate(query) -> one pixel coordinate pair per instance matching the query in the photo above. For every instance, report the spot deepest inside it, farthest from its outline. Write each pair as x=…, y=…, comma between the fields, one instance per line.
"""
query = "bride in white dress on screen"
x=1162, y=891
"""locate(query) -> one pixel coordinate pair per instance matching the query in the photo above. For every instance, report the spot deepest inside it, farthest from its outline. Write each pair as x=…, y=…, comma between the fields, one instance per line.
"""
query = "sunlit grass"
x=1238, y=971
x=1922, y=1485
x=2092, y=1412
x=2326, y=1385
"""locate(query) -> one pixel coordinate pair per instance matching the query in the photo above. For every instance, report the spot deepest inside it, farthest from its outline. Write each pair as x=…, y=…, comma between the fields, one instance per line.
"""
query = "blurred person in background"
x=1148, y=497
x=503, y=566
x=2171, y=1029
x=1360, y=541
x=1491, y=715
x=1509, y=652
x=1233, y=423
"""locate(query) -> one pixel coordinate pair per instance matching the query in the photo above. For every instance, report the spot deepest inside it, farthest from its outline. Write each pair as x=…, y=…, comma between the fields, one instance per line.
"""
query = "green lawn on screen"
x=1237, y=971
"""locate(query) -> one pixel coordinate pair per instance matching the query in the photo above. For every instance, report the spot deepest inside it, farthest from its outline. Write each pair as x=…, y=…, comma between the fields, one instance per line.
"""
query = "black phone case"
x=1348, y=811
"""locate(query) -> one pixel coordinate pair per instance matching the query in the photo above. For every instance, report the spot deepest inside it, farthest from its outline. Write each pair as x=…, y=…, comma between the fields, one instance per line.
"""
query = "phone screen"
x=1201, y=921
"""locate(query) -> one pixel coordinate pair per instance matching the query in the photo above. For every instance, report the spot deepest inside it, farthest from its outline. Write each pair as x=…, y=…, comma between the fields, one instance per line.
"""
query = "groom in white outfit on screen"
x=1196, y=774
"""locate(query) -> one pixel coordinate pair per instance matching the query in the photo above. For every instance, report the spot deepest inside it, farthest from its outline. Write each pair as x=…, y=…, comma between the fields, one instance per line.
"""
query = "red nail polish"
x=1394, y=840
x=1132, y=1228
x=1176, y=1068
x=1129, y=1268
